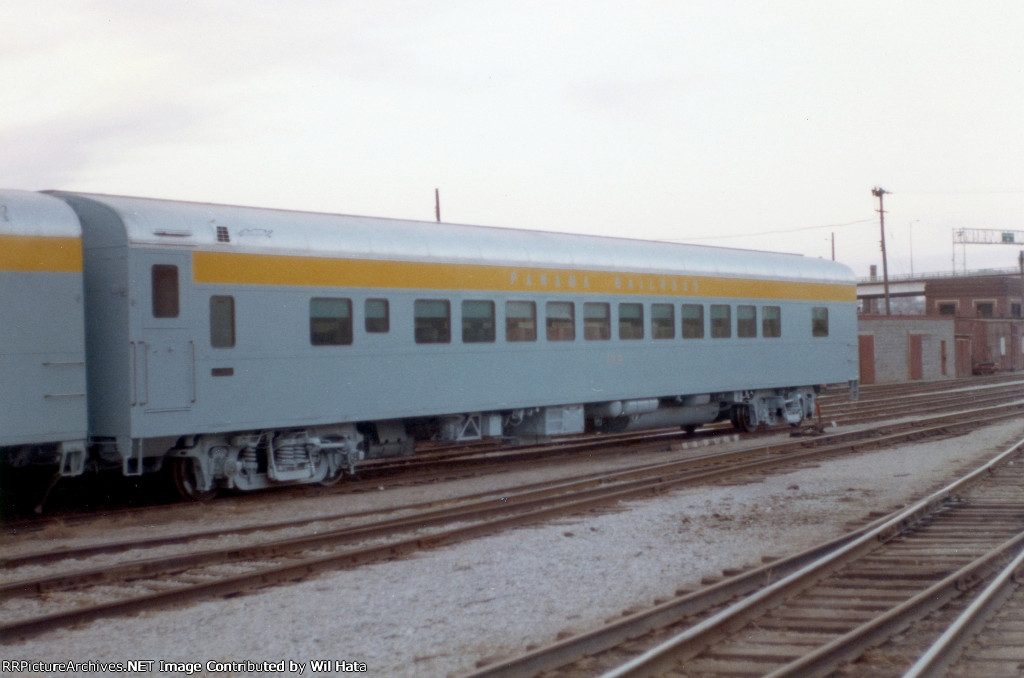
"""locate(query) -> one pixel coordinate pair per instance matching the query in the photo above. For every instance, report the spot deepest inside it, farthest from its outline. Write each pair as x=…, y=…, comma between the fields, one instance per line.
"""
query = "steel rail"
x=946, y=649
x=694, y=640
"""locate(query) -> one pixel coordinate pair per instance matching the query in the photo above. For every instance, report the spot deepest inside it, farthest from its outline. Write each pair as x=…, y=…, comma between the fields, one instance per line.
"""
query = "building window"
x=985, y=309
x=746, y=321
x=693, y=321
x=597, y=321
x=663, y=321
x=771, y=321
x=330, y=321
x=947, y=308
x=222, y=321
x=631, y=321
x=819, y=321
x=478, y=322
x=721, y=321
x=378, y=316
x=433, y=321
x=520, y=321
x=1014, y=310
x=561, y=321
x=165, y=291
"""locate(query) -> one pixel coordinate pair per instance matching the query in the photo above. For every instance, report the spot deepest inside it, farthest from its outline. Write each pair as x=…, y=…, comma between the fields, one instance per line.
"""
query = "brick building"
x=987, y=311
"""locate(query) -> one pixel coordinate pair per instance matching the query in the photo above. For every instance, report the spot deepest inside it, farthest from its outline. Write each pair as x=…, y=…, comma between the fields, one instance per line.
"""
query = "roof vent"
x=222, y=234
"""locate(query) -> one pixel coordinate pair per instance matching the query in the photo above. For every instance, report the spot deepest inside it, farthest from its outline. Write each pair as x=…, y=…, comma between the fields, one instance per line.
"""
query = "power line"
x=777, y=232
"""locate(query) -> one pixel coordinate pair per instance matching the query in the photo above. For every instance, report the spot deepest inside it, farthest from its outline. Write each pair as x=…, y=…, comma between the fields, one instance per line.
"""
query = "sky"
x=761, y=125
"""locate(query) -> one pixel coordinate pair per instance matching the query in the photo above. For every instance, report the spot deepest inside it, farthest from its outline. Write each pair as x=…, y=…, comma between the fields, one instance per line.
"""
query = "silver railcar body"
x=263, y=346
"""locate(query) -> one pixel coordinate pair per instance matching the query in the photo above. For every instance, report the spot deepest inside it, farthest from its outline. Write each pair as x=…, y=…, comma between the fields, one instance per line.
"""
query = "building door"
x=963, y=356
x=915, y=361
x=866, y=353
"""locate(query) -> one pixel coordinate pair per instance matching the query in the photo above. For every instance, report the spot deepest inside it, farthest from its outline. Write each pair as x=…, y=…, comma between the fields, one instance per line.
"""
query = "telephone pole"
x=878, y=193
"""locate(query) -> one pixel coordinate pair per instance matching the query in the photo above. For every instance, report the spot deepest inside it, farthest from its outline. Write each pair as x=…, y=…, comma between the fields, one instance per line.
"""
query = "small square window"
x=561, y=321
x=693, y=321
x=746, y=321
x=663, y=321
x=819, y=321
x=520, y=321
x=597, y=321
x=478, y=322
x=433, y=318
x=378, y=316
x=771, y=321
x=631, y=321
x=721, y=321
x=330, y=321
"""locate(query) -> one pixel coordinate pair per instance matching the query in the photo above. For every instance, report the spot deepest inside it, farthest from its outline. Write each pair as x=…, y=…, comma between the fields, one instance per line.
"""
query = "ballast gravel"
x=441, y=612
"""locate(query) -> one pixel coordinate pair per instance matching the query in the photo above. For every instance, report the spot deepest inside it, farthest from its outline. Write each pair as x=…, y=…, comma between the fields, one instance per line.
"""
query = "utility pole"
x=437, y=204
x=878, y=193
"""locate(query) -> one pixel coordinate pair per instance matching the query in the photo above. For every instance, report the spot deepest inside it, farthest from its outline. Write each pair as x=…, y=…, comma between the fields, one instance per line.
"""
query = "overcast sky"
x=743, y=124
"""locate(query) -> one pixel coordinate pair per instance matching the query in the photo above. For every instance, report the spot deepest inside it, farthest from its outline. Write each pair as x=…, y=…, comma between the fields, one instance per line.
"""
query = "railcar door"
x=164, y=359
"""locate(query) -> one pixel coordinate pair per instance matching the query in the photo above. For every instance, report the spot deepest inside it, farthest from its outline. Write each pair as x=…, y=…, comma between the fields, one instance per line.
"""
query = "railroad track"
x=878, y=402
x=812, y=614
x=37, y=604
x=923, y=403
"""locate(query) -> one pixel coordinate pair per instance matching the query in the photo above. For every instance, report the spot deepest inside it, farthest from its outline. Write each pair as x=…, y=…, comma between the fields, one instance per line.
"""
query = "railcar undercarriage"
x=200, y=465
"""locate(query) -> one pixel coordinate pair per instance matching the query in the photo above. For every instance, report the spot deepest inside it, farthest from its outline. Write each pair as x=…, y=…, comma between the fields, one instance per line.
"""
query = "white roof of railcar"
x=26, y=213
x=268, y=231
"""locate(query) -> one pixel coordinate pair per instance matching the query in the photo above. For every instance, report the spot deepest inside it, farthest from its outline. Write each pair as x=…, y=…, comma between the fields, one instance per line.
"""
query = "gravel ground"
x=441, y=612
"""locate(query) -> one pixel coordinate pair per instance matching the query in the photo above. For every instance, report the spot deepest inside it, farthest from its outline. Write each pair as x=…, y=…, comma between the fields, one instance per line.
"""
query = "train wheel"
x=183, y=474
x=741, y=418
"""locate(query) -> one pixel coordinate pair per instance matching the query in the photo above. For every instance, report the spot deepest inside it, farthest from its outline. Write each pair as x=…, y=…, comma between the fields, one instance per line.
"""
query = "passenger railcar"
x=42, y=342
x=248, y=347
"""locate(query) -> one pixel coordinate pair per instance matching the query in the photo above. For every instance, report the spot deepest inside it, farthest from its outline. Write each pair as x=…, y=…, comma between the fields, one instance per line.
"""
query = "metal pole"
x=437, y=204
x=879, y=192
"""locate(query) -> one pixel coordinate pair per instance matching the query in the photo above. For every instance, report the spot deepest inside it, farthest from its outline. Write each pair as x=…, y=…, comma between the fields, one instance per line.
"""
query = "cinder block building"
x=898, y=348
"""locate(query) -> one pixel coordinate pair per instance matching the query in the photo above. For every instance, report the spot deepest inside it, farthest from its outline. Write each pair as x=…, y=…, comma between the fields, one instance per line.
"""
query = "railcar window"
x=663, y=321
x=520, y=321
x=819, y=321
x=433, y=319
x=165, y=291
x=330, y=321
x=477, y=322
x=771, y=321
x=721, y=321
x=631, y=321
x=378, y=316
x=222, y=321
x=561, y=321
x=693, y=321
x=746, y=321
x=597, y=321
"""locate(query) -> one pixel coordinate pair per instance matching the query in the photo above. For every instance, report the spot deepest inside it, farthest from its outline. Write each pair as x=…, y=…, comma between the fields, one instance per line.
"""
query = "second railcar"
x=42, y=343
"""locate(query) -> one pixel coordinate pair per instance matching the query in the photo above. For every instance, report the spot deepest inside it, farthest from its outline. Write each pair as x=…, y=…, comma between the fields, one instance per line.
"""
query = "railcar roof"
x=150, y=221
x=26, y=213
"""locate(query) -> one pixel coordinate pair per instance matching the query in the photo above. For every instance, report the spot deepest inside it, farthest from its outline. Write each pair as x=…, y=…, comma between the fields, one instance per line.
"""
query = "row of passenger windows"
x=331, y=321
x=331, y=318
